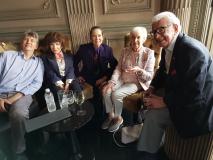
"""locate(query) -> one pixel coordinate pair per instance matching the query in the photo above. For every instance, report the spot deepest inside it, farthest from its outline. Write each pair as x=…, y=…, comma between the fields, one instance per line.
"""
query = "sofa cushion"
x=133, y=102
x=5, y=46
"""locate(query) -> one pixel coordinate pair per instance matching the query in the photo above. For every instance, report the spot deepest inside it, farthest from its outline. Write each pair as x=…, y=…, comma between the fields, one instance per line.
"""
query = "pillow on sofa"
x=5, y=46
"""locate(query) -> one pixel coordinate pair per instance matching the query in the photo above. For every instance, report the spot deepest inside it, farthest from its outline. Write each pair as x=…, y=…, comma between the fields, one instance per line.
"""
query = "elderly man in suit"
x=186, y=78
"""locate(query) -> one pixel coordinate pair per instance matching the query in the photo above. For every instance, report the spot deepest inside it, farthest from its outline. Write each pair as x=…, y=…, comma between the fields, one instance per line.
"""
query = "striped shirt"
x=18, y=74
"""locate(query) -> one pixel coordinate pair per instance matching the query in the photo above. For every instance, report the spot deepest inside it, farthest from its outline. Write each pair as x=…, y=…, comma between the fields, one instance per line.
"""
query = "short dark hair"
x=94, y=28
x=54, y=37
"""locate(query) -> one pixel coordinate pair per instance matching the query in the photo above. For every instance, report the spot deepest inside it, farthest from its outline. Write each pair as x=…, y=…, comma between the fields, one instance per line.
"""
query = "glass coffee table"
x=73, y=122
x=65, y=121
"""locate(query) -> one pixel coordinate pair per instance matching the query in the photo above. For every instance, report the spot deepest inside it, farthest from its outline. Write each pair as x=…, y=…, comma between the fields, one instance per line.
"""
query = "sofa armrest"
x=133, y=102
x=88, y=91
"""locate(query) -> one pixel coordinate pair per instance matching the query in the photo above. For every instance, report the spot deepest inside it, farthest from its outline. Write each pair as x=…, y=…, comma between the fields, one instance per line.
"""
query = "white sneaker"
x=106, y=123
x=115, y=125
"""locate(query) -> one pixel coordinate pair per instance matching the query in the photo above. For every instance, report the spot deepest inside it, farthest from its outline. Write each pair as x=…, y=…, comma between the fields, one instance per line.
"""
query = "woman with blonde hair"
x=134, y=72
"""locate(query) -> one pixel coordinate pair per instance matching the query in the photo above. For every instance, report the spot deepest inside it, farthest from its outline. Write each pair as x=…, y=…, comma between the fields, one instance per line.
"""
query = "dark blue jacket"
x=52, y=73
x=106, y=62
x=188, y=86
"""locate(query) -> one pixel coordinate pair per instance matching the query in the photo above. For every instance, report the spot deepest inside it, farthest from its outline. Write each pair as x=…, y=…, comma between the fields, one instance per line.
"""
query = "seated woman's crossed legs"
x=113, y=99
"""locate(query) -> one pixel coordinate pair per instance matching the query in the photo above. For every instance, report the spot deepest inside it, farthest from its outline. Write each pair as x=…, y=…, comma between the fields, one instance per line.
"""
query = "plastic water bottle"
x=49, y=100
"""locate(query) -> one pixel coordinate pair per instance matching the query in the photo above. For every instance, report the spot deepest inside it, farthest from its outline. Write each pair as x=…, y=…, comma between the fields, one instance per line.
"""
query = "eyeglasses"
x=159, y=30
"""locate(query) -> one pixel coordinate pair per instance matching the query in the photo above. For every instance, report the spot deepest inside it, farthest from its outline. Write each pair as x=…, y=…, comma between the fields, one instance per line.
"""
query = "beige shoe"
x=115, y=125
x=106, y=123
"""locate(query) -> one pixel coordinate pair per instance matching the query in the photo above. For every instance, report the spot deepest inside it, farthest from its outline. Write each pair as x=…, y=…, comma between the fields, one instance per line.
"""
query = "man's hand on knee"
x=3, y=104
x=154, y=102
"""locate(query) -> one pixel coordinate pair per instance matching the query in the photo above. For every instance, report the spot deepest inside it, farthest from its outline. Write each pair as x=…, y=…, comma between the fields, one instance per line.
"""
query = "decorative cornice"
x=119, y=6
x=46, y=4
x=115, y=2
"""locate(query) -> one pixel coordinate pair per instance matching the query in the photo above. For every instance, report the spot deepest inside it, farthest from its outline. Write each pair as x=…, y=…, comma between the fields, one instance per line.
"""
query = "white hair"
x=141, y=30
x=171, y=17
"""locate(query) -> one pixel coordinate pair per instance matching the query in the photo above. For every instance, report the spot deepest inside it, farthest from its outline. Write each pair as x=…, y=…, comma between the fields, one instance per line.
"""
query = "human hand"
x=100, y=81
x=60, y=86
x=102, y=85
x=108, y=88
x=81, y=79
x=154, y=102
x=3, y=104
x=135, y=69
x=66, y=87
x=149, y=91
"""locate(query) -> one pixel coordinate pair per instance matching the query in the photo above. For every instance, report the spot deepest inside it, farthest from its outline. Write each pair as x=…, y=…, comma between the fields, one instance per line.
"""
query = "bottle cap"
x=47, y=90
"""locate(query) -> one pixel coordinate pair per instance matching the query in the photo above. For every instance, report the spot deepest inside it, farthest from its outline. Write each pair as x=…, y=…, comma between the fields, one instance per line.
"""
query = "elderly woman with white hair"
x=134, y=72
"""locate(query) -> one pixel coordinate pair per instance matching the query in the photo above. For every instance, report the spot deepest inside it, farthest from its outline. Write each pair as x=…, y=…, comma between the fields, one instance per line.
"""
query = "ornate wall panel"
x=119, y=6
x=15, y=10
x=201, y=22
x=117, y=17
x=75, y=18
x=195, y=16
x=81, y=19
x=206, y=23
x=209, y=38
x=41, y=15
